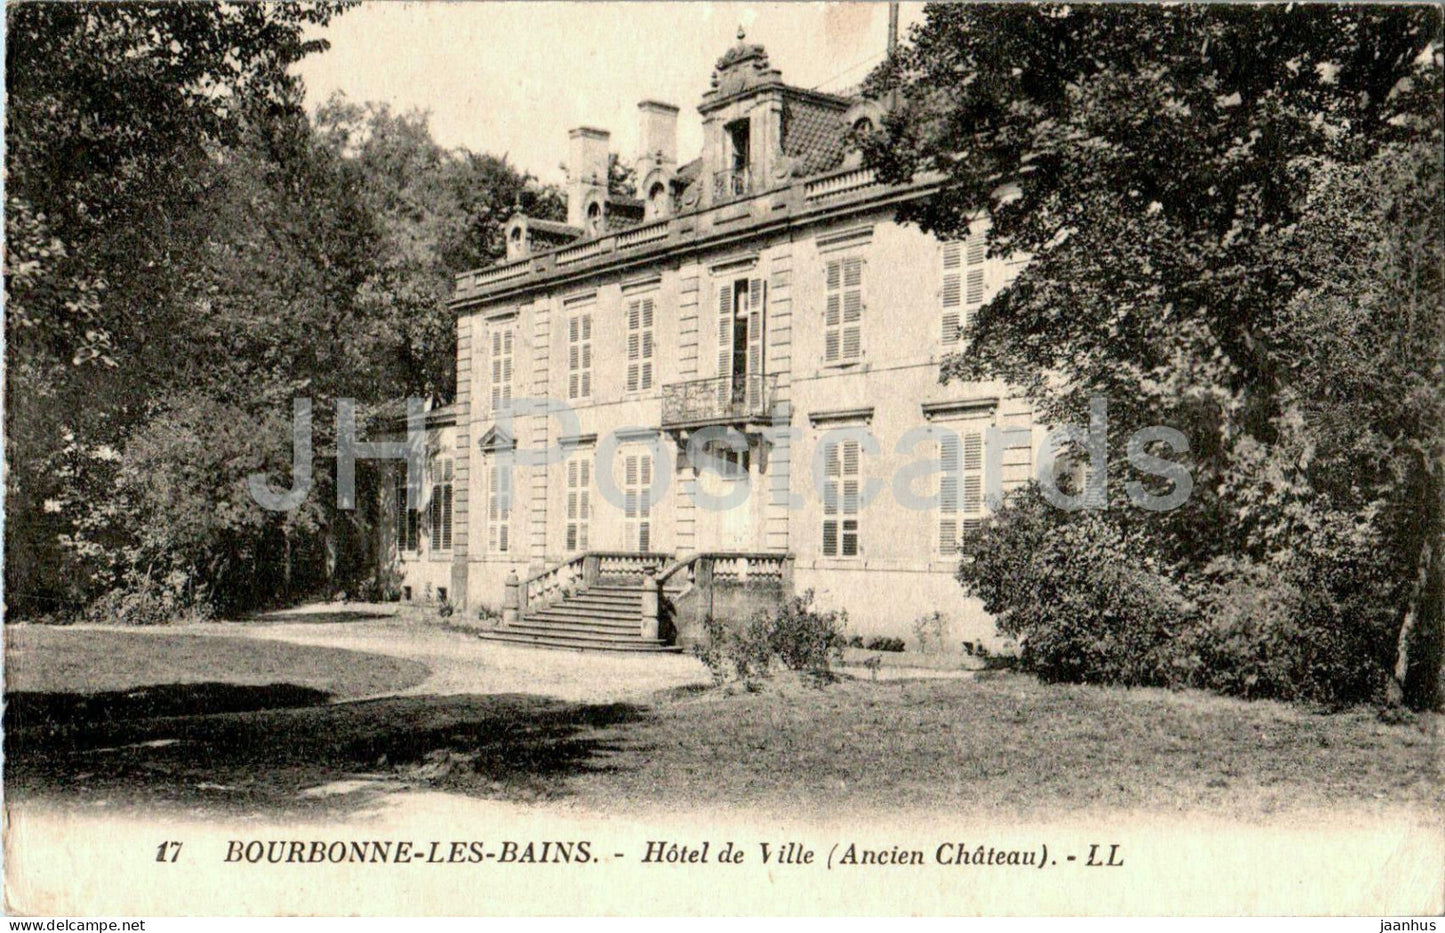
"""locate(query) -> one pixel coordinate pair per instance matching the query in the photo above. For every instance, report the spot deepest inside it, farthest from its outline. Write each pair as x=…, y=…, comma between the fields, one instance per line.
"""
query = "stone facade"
x=770, y=294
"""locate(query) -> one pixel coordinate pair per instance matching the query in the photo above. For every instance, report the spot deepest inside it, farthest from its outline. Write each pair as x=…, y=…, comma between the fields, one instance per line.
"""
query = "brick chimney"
x=586, y=173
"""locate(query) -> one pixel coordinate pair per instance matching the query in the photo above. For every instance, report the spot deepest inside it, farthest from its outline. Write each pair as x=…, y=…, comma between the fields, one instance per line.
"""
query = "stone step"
x=568, y=613
x=587, y=599
x=590, y=630
x=572, y=642
x=626, y=624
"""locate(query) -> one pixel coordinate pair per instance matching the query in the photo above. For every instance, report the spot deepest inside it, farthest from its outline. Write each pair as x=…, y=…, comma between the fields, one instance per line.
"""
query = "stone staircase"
x=599, y=618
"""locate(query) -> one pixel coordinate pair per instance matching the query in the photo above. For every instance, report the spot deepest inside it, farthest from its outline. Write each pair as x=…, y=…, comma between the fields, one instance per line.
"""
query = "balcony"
x=718, y=400
x=730, y=185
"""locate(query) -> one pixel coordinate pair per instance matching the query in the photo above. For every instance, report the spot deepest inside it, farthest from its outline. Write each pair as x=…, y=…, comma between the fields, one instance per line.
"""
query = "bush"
x=1263, y=632
x=886, y=643
x=144, y=601
x=1078, y=591
x=803, y=638
x=932, y=632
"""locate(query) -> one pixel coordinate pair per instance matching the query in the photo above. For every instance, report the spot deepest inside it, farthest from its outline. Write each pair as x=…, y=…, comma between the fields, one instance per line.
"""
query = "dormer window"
x=657, y=200
x=594, y=219
x=732, y=182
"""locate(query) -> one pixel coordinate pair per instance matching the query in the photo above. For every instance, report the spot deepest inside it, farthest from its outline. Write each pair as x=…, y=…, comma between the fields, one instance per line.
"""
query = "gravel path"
x=461, y=663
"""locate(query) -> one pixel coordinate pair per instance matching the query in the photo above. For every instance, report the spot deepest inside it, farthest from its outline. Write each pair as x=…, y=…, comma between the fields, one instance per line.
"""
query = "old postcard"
x=712, y=459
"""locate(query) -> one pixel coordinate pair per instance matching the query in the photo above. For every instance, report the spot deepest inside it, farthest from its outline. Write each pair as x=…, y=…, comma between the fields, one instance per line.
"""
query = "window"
x=502, y=356
x=960, y=488
x=441, y=505
x=843, y=311
x=639, y=344
x=963, y=267
x=579, y=355
x=579, y=502
x=499, y=507
x=406, y=518
x=594, y=219
x=657, y=201
x=740, y=360
x=840, y=500
x=636, y=496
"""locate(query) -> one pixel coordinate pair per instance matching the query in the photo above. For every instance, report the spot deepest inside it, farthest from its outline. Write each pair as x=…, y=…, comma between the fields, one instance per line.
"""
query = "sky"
x=513, y=78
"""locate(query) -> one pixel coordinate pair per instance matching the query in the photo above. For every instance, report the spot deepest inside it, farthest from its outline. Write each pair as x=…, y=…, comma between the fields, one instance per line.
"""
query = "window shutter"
x=952, y=295
x=434, y=516
x=948, y=482
x=756, y=319
x=447, y=517
x=971, y=505
x=572, y=505
x=833, y=313
x=843, y=310
x=725, y=332
x=645, y=378
x=976, y=252
x=634, y=344
x=841, y=493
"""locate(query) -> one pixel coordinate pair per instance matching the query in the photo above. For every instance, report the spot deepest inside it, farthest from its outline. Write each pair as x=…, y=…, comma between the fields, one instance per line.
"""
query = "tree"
x=114, y=115
x=1165, y=168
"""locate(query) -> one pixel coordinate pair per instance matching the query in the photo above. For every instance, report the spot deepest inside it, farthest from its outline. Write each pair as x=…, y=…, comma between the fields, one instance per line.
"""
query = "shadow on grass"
x=278, y=761
x=329, y=617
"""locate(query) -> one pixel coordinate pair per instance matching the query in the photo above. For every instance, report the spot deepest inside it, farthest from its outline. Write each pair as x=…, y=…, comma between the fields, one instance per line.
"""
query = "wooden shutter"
x=833, y=312
x=952, y=294
x=852, y=329
x=841, y=494
x=971, y=501
x=496, y=369
x=647, y=343
x=975, y=253
x=849, y=545
x=574, y=357
x=634, y=344
x=832, y=464
x=586, y=333
x=756, y=322
x=644, y=499
x=725, y=332
x=948, y=499
x=639, y=344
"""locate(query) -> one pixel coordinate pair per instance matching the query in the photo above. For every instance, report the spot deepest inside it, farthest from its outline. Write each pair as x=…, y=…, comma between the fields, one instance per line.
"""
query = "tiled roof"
x=552, y=228
x=813, y=135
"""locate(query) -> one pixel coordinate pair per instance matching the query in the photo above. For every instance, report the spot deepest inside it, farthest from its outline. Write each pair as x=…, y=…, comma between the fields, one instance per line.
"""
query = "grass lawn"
x=1005, y=743
x=51, y=659
x=1000, y=744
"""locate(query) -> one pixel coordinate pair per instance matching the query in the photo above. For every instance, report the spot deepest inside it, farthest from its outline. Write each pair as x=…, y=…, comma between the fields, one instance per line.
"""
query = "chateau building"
x=733, y=376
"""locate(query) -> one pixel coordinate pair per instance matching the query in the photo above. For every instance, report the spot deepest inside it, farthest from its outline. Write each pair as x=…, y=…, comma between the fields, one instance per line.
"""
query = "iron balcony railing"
x=733, y=183
x=718, y=400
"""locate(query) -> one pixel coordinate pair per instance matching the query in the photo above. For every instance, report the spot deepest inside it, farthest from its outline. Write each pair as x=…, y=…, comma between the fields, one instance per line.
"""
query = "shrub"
x=712, y=650
x=145, y=601
x=805, y=638
x=1078, y=591
x=445, y=608
x=1266, y=632
x=886, y=643
x=932, y=631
